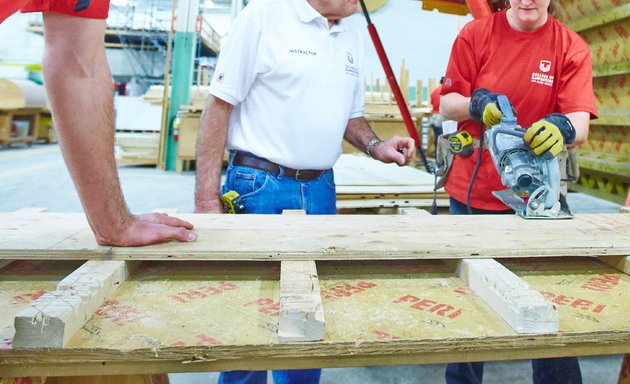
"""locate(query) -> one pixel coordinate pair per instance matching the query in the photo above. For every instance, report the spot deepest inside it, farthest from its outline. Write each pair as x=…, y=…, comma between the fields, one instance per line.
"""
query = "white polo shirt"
x=294, y=83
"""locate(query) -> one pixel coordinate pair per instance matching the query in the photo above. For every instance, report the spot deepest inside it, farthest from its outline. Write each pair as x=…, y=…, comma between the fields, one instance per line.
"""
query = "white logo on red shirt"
x=545, y=65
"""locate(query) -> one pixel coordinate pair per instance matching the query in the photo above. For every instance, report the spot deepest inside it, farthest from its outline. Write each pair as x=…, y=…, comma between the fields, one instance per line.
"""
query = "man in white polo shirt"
x=286, y=91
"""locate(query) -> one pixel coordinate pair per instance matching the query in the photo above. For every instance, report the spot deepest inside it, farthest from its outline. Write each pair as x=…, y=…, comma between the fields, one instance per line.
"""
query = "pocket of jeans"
x=248, y=182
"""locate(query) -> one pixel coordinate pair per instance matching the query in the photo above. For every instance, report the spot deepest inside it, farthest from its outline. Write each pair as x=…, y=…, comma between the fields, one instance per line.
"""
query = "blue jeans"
x=563, y=370
x=265, y=193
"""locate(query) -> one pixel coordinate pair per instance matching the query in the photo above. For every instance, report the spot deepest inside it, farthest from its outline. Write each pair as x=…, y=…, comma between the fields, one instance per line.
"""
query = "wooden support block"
x=54, y=317
x=412, y=211
x=522, y=308
x=301, y=308
x=293, y=212
x=621, y=263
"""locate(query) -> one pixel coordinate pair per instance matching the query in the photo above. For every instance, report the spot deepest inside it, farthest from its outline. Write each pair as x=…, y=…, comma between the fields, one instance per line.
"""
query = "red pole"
x=393, y=84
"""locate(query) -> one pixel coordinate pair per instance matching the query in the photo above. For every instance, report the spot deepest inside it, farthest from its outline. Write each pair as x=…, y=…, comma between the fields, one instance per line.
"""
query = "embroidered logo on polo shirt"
x=303, y=52
x=220, y=77
x=543, y=78
x=350, y=68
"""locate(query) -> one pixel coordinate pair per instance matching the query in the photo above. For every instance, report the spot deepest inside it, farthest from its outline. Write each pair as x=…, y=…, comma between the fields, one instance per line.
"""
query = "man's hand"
x=396, y=149
x=151, y=228
x=550, y=134
x=484, y=107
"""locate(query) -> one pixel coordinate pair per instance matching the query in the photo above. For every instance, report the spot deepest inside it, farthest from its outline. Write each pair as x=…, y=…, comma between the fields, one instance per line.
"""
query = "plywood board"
x=201, y=316
x=332, y=237
x=362, y=170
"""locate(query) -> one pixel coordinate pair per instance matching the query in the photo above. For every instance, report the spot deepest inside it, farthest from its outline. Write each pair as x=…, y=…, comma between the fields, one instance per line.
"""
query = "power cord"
x=474, y=175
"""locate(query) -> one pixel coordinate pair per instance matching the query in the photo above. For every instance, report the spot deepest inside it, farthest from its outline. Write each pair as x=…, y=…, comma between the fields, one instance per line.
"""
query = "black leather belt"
x=251, y=161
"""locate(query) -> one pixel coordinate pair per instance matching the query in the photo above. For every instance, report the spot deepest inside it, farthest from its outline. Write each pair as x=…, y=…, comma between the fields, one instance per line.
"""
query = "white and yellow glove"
x=550, y=134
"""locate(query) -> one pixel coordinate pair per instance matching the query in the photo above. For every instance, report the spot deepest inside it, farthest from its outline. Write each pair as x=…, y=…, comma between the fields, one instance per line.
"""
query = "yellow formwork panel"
x=612, y=94
x=609, y=43
x=608, y=139
x=605, y=158
x=572, y=10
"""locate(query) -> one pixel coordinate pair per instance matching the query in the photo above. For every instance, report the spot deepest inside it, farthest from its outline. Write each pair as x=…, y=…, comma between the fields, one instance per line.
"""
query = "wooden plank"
x=54, y=317
x=385, y=203
x=367, y=190
x=361, y=170
x=328, y=237
x=301, y=308
x=522, y=308
x=23, y=281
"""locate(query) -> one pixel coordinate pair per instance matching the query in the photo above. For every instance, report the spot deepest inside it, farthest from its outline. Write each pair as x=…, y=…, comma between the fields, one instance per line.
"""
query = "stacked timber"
x=22, y=104
x=198, y=96
x=365, y=185
x=137, y=131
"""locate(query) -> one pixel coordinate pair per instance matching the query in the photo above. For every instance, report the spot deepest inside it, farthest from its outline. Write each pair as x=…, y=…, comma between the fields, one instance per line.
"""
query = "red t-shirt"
x=435, y=99
x=92, y=9
x=541, y=72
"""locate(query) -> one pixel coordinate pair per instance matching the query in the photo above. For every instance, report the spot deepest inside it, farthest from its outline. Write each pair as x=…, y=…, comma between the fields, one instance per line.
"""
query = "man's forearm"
x=211, y=140
x=80, y=91
x=358, y=133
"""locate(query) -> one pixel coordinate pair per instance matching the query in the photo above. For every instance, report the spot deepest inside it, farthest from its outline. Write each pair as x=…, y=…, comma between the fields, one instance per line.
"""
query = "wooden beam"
x=301, y=308
x=55, y=236
x=522, y=308
x=54, y=317
x=412, y=211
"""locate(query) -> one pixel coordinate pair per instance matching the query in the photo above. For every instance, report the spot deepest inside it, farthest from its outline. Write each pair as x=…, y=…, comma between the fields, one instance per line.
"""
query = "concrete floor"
x=37, y=177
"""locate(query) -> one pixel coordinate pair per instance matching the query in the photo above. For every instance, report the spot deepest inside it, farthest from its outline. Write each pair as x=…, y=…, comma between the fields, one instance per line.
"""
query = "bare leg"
x=80, y=90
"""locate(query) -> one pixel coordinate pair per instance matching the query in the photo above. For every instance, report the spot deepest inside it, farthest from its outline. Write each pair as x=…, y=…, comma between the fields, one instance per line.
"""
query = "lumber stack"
x=22, y=103
x=137, y=131
x=365, y=185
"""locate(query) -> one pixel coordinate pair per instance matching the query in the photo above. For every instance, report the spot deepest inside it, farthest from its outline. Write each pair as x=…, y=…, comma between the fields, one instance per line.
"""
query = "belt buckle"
x=298, y=176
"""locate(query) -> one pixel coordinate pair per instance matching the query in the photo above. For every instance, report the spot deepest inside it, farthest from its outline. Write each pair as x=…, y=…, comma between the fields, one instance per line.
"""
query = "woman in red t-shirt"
x=539, y=64
x=545, y=70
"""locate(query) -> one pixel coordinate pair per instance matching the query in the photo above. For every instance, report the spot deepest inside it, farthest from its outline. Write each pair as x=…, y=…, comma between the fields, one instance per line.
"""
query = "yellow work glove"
x=484, y=107
x=549, y=134
x=492, y=114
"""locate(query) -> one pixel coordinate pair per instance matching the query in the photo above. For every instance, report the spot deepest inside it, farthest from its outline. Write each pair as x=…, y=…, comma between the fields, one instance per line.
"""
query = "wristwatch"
x=370, y=146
